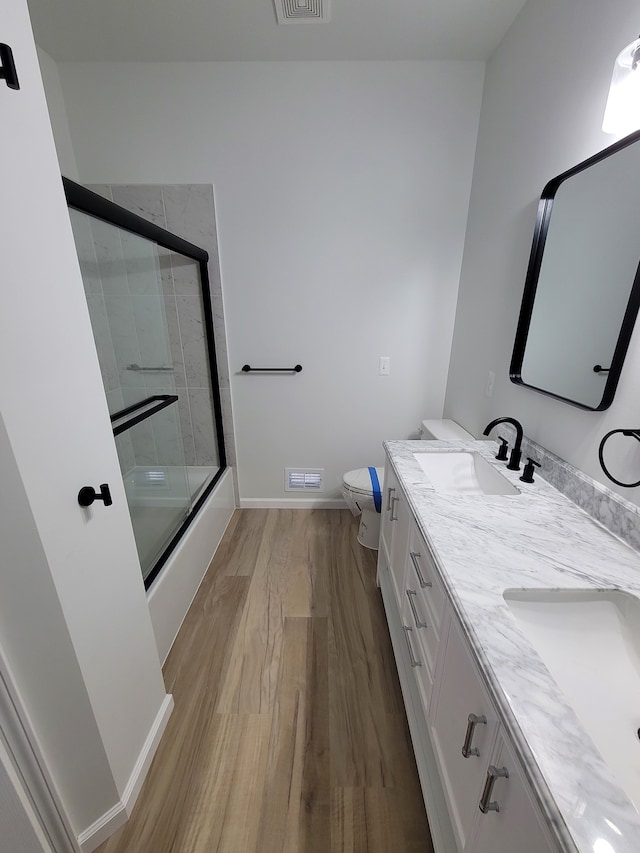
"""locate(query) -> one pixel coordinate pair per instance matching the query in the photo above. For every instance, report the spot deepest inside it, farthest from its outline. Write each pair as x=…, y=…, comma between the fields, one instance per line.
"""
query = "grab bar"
x=164, y=400
x=143, y=369
x=246, y=368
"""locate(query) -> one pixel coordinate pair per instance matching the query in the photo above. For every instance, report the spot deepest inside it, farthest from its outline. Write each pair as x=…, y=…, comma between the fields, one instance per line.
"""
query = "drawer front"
x=419, y=660
x=418, y=616
x=423, y=577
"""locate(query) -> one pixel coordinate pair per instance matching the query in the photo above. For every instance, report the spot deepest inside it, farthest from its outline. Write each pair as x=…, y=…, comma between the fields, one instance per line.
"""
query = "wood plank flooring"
x=289, y=733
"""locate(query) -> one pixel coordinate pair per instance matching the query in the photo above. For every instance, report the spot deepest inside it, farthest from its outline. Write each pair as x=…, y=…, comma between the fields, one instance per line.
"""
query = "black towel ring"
x=634, y=433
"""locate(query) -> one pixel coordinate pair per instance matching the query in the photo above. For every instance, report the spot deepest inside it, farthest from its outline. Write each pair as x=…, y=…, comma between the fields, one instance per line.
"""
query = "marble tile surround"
x=619, y=516
x=188, y=211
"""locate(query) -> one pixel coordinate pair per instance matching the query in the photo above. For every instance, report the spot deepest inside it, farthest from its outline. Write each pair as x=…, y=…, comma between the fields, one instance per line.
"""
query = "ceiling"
x=247, y=30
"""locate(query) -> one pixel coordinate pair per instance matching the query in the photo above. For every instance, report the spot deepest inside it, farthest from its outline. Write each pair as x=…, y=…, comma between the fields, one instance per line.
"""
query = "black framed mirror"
x=582, y=289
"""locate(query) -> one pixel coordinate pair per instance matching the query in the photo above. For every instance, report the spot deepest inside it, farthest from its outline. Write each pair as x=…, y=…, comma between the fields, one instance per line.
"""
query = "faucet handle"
x=527, y=474
x=502, y=450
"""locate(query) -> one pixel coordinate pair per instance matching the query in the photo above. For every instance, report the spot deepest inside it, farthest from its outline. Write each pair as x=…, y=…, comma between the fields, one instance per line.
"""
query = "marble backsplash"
x=619, y=516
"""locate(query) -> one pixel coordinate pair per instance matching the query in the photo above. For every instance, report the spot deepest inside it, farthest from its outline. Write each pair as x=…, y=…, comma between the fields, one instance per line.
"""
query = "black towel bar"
x=246, y=368
x=161, y=401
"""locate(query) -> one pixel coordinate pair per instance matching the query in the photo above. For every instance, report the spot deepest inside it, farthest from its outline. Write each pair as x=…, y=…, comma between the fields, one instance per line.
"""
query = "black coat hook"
x=8, y=67
x=87, y=495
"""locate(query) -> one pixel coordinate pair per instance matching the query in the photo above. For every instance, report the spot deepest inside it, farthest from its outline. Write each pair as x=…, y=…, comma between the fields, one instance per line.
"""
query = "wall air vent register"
x=296, y=479
x=302, y=11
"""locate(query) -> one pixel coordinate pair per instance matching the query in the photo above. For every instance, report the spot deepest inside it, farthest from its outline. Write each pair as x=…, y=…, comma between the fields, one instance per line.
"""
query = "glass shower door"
x=123, y=279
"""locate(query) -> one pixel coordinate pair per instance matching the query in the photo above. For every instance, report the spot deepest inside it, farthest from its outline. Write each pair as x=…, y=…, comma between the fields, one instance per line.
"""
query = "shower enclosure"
x=148, y=297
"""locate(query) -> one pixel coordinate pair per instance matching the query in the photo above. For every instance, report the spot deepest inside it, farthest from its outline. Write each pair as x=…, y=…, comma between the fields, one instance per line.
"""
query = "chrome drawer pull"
x=416, y=618
x=414, y=662
x=389, y=490
x=473, y=721
x=394, y=501
x=486, y=805
x=414, y=559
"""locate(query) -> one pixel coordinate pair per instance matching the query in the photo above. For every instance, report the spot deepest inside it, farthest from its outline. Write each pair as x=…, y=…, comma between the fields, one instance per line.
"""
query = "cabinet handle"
x=473, y=721
x=389, y=490
x=394, y=501
x=414, y=559
x=486, y=805
x=413, y=660
x=416, y=618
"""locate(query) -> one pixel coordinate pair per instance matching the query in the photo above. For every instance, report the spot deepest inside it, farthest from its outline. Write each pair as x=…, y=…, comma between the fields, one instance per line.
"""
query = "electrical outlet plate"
x=384, y=365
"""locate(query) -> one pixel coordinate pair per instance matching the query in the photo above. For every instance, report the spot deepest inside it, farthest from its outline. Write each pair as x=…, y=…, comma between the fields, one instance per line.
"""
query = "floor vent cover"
x=296, y=479
x=302, y=11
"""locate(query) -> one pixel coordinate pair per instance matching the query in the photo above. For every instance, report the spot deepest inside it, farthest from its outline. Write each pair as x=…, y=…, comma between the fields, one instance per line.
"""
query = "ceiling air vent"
x=297, y=479
x=302, y=11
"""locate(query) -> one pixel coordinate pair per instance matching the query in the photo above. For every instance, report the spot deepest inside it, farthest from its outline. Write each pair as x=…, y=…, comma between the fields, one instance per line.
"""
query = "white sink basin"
x=590, y=642
x=463, y=472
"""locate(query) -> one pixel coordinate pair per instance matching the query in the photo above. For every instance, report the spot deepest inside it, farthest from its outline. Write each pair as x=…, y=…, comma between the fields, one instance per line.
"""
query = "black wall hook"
x=87, y=495
x=8, y=67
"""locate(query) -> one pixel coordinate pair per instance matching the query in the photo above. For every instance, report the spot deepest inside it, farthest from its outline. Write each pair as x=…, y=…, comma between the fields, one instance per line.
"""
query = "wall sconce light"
x=622, y=113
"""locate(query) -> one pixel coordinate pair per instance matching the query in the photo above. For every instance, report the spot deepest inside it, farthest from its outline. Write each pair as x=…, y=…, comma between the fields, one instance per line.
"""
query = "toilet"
x=363, y=488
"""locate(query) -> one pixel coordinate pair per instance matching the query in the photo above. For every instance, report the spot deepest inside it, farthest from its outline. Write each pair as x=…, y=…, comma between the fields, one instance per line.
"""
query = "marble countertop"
x=485, y=544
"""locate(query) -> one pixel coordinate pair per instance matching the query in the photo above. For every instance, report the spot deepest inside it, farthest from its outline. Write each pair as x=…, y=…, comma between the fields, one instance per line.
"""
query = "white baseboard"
x=117, y=815
x=142, y=765
x=292, y=503
x=103, y=828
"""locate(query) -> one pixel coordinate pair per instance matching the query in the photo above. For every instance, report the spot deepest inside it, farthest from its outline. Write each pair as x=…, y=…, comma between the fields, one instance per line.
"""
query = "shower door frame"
x=84, y=200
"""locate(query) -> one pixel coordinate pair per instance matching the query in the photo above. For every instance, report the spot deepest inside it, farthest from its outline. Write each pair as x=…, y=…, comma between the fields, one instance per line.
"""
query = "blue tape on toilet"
x=375, y=485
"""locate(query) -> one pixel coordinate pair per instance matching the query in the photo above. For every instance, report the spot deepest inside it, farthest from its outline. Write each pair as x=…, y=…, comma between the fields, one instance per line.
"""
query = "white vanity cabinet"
x=464, y=756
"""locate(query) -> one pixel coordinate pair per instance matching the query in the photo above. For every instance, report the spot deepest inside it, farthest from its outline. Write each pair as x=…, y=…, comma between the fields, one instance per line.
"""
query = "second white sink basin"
x=463, y=472
x=589, y=640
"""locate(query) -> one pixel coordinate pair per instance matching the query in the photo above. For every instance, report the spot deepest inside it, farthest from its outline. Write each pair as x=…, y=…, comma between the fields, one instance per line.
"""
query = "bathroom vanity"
x=511, y=758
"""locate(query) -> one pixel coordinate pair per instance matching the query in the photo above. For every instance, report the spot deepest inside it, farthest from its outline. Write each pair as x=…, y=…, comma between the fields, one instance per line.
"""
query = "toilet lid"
x=359, y=480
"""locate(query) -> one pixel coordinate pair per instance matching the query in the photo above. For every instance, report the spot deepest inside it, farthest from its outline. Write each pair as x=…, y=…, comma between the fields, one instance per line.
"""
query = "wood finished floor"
x=288, y=733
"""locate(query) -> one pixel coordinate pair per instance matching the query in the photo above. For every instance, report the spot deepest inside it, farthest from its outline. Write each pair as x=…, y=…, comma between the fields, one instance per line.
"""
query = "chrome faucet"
x=516, y=453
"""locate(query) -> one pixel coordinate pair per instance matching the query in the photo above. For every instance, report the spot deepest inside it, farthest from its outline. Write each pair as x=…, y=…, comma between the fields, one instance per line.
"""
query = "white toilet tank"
x=444, y=430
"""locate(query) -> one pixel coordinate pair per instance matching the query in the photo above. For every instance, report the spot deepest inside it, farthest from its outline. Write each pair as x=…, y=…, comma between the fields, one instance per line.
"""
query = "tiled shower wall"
x=189, y=212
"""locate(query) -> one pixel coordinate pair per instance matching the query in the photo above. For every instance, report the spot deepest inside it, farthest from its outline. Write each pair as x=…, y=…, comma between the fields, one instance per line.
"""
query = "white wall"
x=544, y=98
x=74, y=623
x=341, y=196
x=58, y=115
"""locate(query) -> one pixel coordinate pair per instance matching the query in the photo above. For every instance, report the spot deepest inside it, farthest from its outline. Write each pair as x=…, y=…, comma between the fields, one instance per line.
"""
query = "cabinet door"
x=460, y=695
x=391, y=489
x=395, y=531
x=513, y=821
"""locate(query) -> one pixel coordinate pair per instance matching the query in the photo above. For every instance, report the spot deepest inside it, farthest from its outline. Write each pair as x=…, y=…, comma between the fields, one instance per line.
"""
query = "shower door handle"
x=87, y=495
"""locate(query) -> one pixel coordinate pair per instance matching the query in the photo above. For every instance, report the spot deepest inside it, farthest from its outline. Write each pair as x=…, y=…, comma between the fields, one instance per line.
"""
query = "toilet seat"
x=358, y=481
